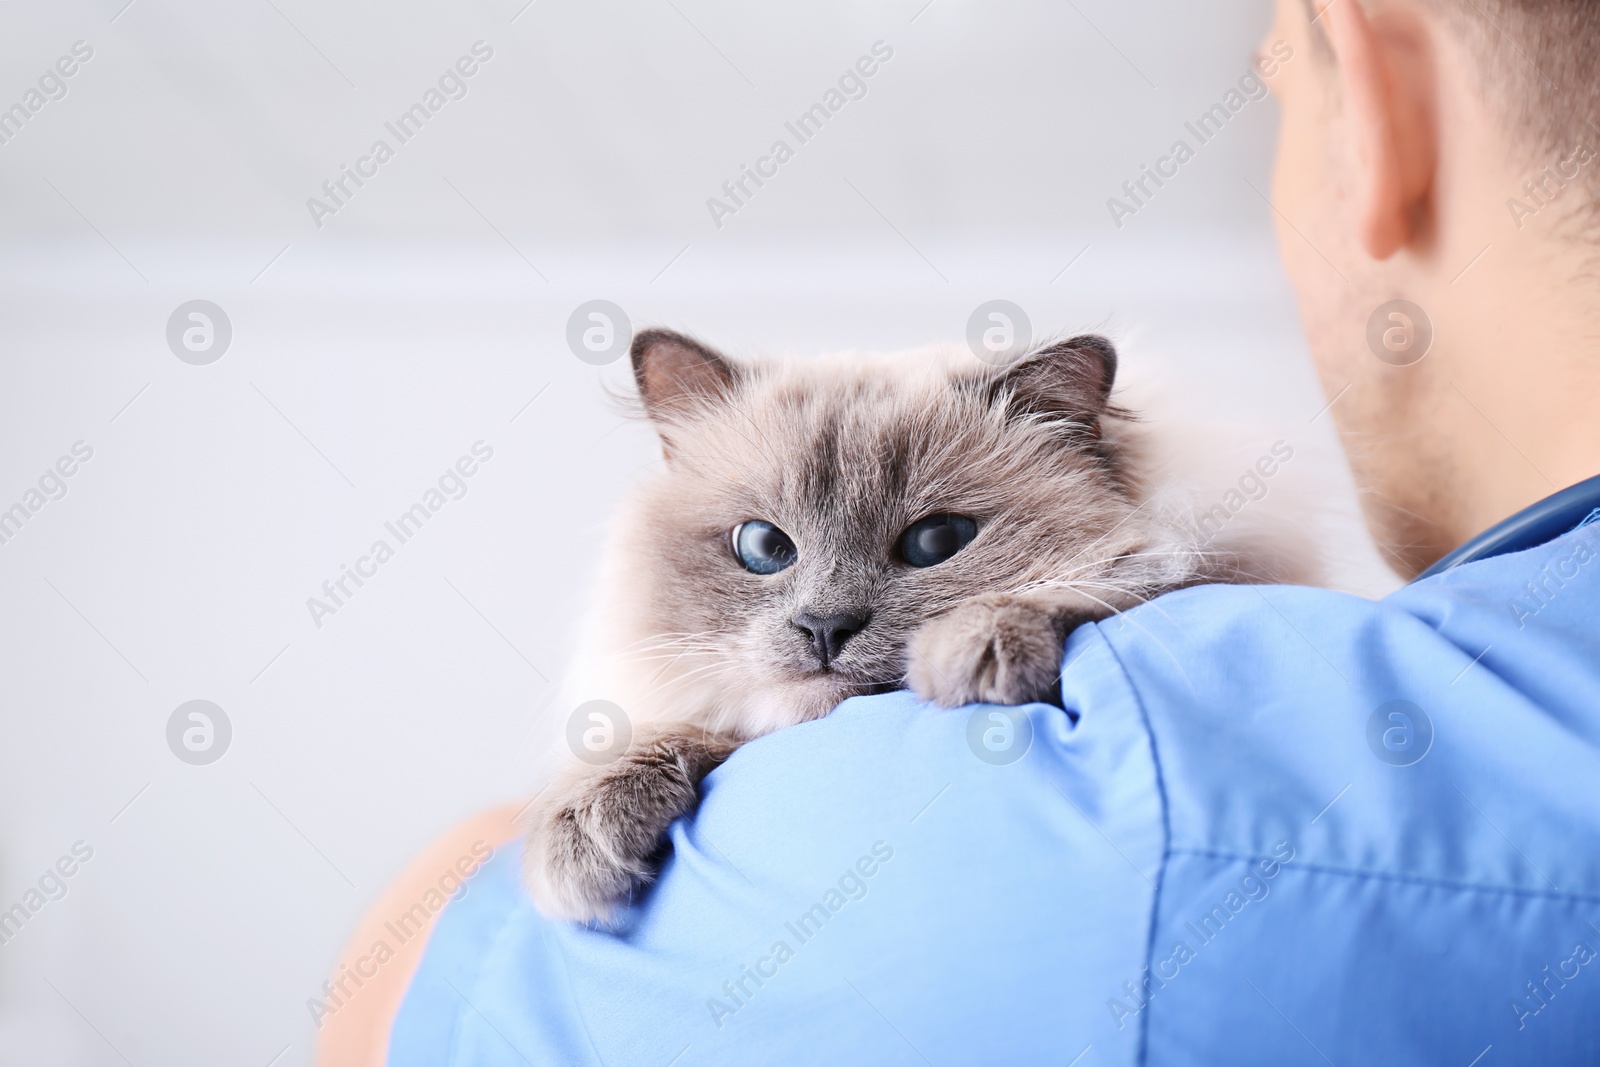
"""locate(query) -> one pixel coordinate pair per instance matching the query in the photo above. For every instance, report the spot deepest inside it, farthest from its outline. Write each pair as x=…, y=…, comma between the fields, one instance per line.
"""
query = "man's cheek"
x=1307, y=213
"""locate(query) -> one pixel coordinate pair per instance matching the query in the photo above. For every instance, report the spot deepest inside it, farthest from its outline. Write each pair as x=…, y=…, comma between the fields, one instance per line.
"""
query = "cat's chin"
x=800, y=700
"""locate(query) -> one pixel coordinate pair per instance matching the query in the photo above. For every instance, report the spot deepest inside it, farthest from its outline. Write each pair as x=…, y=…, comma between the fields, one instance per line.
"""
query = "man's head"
x=1437, y=199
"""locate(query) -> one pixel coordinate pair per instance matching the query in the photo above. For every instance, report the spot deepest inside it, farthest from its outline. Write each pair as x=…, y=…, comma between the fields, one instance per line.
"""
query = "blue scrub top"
x=1273, y=825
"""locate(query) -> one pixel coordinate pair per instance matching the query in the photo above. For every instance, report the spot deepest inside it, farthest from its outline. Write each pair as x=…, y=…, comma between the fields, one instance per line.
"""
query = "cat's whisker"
x=670, y=642
x=666, y=639
x=705, y=667
x=1160, y=643
x=671, y=653
x=1120, y=523
x=674, y=644
x=700, y=673
x=1081, y=588
x=1148, y=599
x=1184, y=553
x=718, y=663
x=1047, y=583
x=1131, y=554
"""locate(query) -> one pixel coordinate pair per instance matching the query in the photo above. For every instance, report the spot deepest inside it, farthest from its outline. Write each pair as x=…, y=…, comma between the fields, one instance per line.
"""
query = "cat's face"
x=811, y=515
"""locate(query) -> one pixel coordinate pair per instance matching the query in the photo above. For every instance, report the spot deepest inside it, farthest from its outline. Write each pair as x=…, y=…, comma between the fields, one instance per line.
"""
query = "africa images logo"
x=52, y=86
x=452, y=85
x=853, y=885
x=852, y=85
x=1251, y=889
x=1204, y=129
x=452, y=485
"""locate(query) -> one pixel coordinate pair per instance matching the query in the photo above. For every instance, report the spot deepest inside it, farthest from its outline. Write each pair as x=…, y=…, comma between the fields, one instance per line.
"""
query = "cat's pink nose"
x=828, y=633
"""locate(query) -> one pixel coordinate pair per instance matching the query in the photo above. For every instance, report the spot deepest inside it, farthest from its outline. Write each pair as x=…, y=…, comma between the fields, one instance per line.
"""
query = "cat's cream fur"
x=842, y=453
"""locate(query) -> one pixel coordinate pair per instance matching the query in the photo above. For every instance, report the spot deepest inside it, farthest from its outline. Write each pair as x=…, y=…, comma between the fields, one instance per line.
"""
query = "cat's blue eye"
x=936, y=538
x=761, y=547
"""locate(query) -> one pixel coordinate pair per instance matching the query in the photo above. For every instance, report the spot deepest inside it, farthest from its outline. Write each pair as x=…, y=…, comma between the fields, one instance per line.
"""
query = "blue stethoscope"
x=1575, y=506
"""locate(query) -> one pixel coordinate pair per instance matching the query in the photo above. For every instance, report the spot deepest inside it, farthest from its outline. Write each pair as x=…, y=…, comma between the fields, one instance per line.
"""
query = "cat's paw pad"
x=996, y=649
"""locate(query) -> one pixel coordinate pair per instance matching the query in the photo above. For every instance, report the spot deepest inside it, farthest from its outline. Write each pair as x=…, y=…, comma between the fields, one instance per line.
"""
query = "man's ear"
x=1387, y=73
x=1072, y=378
x=677, y=375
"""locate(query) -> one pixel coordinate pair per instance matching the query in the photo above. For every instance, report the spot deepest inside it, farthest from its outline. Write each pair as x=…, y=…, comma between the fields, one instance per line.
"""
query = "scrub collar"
x=1559, y=513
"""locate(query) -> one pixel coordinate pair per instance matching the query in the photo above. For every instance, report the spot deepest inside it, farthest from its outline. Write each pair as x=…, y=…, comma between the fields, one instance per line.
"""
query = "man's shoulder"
x=1508, y=613
x=1402, y=700
x=1216, y=639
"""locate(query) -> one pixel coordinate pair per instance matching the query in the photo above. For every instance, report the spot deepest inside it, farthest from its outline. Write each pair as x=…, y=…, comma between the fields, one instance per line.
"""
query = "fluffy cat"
x=825, y=528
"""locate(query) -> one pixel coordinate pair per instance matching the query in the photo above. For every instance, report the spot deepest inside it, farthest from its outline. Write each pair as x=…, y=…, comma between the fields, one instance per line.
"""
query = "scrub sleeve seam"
x=1389, y=876
x=1166, y=829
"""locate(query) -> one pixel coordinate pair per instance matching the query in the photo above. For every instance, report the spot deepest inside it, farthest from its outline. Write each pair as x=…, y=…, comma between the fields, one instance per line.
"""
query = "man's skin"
x=1394, y=166
x=1392, y=175
x=356, y=1034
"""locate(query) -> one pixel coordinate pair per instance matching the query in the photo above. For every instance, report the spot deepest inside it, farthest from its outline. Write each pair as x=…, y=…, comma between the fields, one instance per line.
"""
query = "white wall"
x=369, y=353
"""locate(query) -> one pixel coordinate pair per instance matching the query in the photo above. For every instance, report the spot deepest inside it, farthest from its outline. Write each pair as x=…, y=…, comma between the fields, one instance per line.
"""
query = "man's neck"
x=1517, y=397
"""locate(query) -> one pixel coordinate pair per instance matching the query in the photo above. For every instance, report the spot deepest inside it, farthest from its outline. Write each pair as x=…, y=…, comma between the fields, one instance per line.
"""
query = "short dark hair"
x=1538, y=59
x=1536, y=63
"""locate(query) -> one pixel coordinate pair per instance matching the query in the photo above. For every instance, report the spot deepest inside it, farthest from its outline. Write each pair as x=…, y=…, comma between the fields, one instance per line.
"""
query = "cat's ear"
x=678, y=375
x=1072, y=377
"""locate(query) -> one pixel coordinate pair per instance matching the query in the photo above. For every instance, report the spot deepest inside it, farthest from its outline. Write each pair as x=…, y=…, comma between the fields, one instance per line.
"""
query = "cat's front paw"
x=591, y=842
x=993, y=649
x=569, y=872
